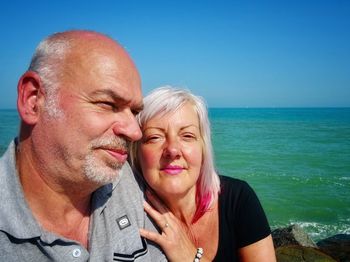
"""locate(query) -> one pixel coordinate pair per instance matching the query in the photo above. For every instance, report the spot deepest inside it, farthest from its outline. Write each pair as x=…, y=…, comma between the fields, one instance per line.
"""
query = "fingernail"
x=145, y=204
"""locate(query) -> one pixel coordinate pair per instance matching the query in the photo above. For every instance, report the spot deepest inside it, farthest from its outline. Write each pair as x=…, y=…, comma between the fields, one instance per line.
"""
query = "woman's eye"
x=189, y=136
x=153, y=139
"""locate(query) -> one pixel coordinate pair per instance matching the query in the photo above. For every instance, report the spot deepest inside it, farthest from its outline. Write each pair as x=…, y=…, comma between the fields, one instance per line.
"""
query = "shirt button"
x=76, y=252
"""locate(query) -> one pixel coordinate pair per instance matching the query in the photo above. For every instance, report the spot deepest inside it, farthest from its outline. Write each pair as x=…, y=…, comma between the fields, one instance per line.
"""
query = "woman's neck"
x=183, y=207
x=206, y=225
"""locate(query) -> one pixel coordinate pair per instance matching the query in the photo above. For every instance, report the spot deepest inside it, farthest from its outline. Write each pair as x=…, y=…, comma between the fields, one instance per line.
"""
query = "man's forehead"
x=120, y=96
x=103, y=69
x=104, y=75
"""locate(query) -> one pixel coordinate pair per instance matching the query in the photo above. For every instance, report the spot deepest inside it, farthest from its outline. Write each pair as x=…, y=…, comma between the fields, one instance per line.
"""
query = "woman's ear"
x=29, y=97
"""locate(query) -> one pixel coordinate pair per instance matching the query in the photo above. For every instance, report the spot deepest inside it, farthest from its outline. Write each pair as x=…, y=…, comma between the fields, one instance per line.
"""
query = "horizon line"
x=251, y=107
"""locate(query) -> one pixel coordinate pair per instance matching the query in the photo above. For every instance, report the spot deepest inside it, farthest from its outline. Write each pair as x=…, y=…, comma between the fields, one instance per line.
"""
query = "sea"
x=296, y=159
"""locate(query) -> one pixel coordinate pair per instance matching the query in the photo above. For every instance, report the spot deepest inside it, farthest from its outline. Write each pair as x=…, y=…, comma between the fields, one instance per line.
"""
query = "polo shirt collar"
x=16, y=218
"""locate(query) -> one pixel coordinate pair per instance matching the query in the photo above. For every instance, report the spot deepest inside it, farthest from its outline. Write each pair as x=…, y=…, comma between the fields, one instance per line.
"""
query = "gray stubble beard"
x=94, y=170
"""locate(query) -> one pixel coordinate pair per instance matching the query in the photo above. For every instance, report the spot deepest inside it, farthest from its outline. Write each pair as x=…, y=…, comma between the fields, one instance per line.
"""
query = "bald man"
x=67, y=191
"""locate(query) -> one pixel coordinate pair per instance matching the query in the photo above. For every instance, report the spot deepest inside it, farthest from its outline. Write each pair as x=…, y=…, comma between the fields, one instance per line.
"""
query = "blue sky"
x=233, y=53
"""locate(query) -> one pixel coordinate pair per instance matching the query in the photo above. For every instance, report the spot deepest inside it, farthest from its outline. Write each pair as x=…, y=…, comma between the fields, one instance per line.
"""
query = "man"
x=67, y=191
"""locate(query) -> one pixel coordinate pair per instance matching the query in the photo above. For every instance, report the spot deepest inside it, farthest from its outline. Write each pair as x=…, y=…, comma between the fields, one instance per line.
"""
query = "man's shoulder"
x=125, y=193
x=14, y=250
x=127, y=182
x=119, y=219
x=8, y=158
x=8, y=171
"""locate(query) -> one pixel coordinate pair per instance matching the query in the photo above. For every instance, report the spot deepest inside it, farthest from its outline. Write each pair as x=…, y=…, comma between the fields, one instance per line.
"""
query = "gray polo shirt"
x=114, y=225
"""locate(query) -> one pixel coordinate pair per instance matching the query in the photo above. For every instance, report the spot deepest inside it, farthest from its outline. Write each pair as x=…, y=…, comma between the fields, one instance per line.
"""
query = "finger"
x=155, y=201
x=155, y=237
x=161, y=221
x=154, y=211
x=151, y=211
x=158, y=217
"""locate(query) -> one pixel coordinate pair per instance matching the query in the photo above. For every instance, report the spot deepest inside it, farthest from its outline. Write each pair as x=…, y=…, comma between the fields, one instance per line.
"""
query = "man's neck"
x=59, y=209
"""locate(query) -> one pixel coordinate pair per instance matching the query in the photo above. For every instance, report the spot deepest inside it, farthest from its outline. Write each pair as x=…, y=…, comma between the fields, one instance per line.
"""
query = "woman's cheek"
x=149, y=158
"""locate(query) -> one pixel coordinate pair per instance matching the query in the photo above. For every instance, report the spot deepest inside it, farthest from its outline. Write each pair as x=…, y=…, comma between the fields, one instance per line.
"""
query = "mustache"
x=112, y=142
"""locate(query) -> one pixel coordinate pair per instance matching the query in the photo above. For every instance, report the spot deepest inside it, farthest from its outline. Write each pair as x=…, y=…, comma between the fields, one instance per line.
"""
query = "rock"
x=291, y=235
x=301, y=254
x=292, y=243
x=337, y=246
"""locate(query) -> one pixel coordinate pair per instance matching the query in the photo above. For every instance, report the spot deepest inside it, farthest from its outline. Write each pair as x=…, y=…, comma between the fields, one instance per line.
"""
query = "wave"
x=318, y=231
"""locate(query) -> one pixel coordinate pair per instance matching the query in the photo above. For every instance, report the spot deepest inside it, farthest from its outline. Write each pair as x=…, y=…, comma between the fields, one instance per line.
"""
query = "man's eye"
x=135, y=112
x=107, y=105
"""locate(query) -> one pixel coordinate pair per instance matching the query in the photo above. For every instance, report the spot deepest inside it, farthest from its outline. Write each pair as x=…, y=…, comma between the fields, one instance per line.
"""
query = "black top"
x=242, y=220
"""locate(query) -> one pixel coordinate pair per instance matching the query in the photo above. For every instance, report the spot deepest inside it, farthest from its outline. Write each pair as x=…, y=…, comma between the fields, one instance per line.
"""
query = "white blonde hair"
x=168, y=99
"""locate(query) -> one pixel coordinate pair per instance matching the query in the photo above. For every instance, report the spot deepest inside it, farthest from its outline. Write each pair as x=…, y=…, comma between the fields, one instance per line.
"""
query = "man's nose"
x=127, y=126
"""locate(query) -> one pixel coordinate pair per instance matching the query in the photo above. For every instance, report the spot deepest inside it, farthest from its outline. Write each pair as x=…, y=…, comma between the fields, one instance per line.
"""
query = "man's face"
x=97, y=101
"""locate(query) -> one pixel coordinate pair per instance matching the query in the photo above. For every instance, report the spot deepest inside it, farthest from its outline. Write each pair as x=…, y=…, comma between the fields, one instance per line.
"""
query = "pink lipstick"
x=172, y=170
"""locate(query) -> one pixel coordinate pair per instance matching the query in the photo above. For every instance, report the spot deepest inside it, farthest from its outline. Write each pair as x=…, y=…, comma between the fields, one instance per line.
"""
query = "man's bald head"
x=67, y=54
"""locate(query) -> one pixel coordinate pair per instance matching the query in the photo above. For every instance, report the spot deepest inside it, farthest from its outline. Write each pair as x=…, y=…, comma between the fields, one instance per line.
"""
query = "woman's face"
x=171, y=152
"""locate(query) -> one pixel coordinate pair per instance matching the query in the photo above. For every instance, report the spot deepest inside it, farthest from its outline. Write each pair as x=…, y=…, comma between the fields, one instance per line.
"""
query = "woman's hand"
x=173, y=239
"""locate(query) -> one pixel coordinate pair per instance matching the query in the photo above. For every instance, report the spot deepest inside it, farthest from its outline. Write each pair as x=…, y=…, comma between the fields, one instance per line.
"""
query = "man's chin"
x=102, y=178
x=102, y=175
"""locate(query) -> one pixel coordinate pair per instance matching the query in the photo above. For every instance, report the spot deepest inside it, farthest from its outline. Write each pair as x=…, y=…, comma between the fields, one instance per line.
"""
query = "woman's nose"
x=172, y=150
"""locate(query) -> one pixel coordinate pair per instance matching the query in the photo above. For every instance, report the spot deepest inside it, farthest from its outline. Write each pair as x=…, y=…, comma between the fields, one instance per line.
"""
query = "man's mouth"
x=115, y=147
x=119, y=154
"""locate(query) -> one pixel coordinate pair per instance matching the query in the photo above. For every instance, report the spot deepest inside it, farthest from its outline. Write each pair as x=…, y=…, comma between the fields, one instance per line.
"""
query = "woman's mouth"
x=172, y=170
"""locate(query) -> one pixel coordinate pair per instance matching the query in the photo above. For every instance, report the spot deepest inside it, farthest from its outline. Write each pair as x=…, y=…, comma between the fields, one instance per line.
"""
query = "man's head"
x=77, y=103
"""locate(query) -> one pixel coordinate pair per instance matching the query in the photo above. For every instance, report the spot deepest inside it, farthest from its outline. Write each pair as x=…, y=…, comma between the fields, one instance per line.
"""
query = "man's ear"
x=29, y=97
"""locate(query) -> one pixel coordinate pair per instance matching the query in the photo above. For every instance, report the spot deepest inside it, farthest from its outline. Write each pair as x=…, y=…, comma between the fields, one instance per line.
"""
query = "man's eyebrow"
x=137, y=108
x=109, y=93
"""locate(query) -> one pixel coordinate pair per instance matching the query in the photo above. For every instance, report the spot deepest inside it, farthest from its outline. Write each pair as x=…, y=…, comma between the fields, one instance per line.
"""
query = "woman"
x=202, y=216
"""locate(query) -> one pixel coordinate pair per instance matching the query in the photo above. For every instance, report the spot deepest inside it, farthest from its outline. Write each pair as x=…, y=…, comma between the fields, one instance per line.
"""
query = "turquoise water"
x=297, y=160
x=9, y=124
